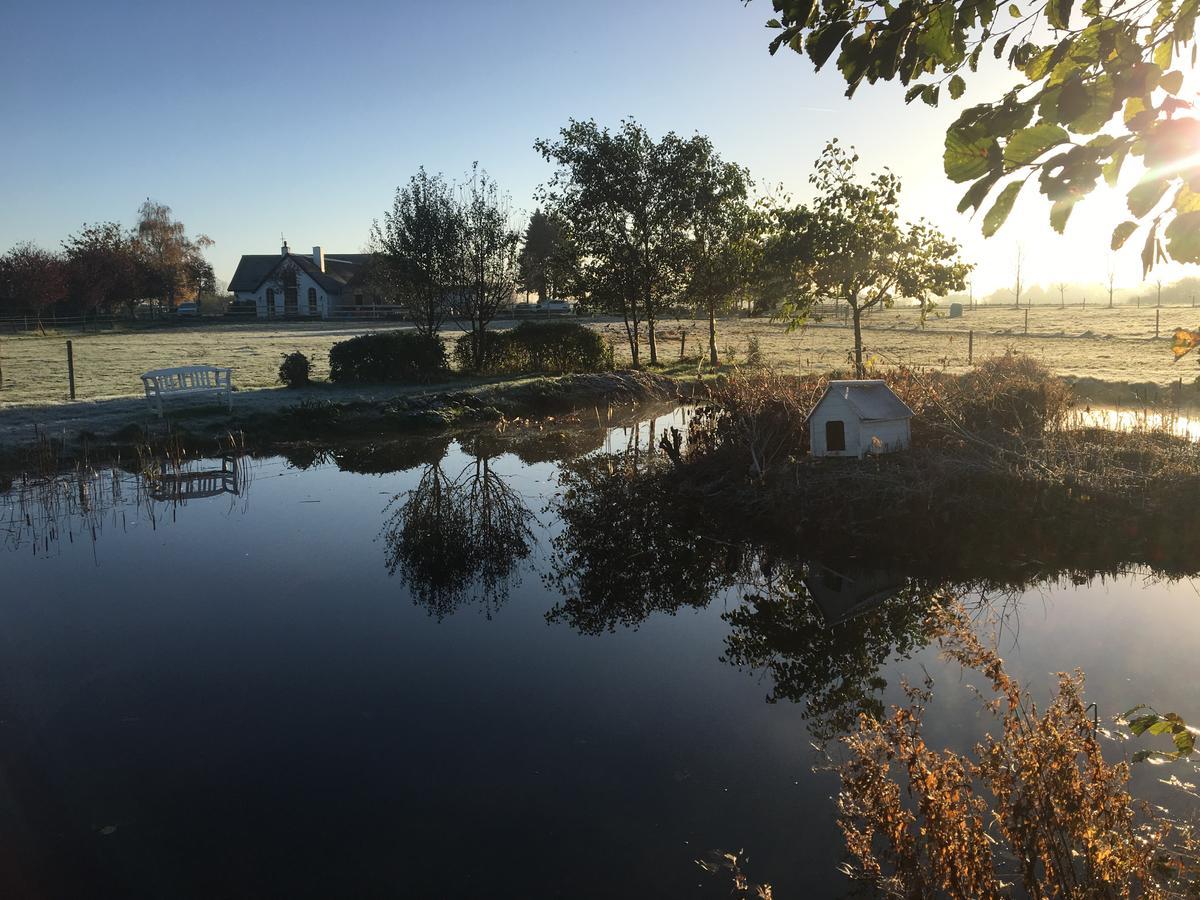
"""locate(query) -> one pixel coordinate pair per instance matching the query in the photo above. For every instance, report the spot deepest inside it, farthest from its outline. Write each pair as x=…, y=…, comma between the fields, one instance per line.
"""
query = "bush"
x=295, y=369
x=387, y=357
x=555, y=347
x=1012, y=393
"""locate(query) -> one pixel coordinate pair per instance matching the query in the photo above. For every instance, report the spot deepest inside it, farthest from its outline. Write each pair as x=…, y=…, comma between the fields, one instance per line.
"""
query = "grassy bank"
x=284, y=420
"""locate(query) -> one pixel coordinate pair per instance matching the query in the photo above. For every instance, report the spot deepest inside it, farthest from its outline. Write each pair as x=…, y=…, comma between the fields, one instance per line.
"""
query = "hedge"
x=387, y=356
x=555, y=347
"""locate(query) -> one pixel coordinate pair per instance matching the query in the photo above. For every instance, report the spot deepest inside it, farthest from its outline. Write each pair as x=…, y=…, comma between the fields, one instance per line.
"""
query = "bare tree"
x=1017, y=288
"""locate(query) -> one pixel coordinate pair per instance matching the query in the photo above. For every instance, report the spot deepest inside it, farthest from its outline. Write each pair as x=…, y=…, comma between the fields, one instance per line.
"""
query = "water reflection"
x=40, y=511
x=454, y=539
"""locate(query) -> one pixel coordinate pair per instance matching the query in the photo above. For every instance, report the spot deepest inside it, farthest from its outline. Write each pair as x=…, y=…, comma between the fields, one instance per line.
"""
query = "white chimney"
x=318, y=258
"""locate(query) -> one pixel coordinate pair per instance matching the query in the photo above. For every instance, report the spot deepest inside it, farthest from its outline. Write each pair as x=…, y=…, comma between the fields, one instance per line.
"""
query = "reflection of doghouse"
x=175, y=485
x=854, y=418
x=843, y=595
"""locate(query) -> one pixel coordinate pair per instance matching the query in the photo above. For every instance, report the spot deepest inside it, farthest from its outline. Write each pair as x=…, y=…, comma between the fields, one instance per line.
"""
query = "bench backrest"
x=187, y=378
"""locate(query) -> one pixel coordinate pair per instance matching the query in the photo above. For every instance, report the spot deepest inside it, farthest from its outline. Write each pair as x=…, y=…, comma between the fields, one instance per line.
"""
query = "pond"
x=476, y=667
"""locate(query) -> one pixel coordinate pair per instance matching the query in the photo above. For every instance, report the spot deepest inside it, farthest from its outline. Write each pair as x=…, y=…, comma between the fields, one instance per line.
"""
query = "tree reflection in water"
x=633, y=546
x=454, y=540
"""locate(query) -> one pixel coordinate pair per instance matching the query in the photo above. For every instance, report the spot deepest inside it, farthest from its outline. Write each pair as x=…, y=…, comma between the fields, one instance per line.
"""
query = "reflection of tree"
x=624, y=553
x=832, y=669
x=454, y=539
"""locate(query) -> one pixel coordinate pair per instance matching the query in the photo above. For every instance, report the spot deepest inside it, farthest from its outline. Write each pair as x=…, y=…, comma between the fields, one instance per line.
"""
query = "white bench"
x=187, y=381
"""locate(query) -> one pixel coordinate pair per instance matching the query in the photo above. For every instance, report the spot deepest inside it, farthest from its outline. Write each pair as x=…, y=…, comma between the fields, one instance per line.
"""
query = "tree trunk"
x=631, y=332
x=712, y=336
x=859, y=371
x=653, y=345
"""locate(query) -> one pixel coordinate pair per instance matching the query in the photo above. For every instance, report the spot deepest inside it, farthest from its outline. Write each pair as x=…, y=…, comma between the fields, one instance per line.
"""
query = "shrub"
x=1012, y=393
x=555, y=347
x=295, y=369
x=387, y=357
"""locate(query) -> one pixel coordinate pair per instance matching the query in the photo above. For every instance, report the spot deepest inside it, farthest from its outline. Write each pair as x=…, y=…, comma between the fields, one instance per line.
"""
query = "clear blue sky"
x=260, y=118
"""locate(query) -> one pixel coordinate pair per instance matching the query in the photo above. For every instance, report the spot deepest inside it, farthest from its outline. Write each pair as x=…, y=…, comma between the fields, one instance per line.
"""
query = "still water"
x=273, y=678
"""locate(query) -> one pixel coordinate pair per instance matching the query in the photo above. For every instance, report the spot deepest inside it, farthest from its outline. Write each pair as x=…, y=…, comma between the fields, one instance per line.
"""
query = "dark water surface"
x=279, y=691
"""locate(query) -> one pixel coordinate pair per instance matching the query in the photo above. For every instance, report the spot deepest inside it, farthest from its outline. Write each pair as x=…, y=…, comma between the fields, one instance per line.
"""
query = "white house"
x=296, y=285
x=854, y=418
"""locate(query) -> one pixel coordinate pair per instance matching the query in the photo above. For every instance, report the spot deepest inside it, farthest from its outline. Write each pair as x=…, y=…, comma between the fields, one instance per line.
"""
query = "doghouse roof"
x=872, y=400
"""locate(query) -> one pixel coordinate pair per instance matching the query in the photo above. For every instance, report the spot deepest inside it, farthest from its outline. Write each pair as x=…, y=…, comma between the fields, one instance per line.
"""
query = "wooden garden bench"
x=187, y=381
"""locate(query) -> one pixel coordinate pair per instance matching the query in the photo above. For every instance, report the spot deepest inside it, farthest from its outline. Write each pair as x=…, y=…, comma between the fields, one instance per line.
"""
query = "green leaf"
x=1014, y=10
x=911, y=94
x=930, y=95
x=995, y=216
x=1148, y=250
x=1112, y=168
x=1059, y=13
x=967, y=154
x=1145, y=196
x=1091, y=8
x=1186, y=200
x=1119, y=236
x=978, y=192
x=957, y=86
x=1060, y=211
x=1163, y=54
x=822, y=42
x=1141, y=723
x=938, y=37
x=1028, y=144
x=1171, y=82
x=1183, y=237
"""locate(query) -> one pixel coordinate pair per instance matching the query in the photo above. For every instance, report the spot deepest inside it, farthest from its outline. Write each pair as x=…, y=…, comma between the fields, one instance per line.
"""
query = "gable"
x=870, y=401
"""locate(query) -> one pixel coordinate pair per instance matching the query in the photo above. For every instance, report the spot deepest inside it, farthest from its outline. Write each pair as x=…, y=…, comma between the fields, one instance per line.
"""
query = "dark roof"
x=340, y=269
x=873, y=400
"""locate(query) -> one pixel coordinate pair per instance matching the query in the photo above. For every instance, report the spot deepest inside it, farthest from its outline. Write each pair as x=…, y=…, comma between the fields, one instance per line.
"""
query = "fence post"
x=682, y=342
x=970, y=348
x=71, y=368
x=1156, y=312
x=1027, y=320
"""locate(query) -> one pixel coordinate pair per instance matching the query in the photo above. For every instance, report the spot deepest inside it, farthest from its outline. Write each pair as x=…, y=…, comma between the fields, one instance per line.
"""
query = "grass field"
x=1113, y=345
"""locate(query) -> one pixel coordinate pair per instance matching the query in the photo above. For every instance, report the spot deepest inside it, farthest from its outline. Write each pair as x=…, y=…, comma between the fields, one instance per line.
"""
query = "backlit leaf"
x=1145, y=196
x=996, y=216
x=966, y=157
x=1183, y=237
x=1028, y=144
x=1120, y=235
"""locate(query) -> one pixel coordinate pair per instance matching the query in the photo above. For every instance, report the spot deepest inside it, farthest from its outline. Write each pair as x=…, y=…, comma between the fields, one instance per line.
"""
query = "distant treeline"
x=107, y=268
x=1184, y=292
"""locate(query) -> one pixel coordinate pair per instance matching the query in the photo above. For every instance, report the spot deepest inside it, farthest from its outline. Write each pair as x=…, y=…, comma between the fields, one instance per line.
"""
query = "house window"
x=835, y=435
x=312, y=301
x=270, y=301
x=358, y=298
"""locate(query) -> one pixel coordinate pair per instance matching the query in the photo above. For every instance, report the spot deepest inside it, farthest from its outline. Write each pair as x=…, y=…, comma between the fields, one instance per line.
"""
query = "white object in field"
x=854, y=418
x=187, y=381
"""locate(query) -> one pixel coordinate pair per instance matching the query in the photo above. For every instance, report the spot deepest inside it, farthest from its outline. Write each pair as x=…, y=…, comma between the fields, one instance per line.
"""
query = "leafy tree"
x=32, y=278
x=416, y=256
x=854, y=246
x=545, y=260
x=104, y=267
x=173, y=264
x=1099, y=82
x=625, y=201
x=487, y=252
x=725, y=247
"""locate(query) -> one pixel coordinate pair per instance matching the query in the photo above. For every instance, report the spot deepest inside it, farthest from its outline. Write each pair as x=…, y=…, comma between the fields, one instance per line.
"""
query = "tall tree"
x=854, y=246
x=545, y=259
x=1099, y=81
x=625, y=201
x=416, y=257
x=487, y=258
x=104, y=270
x=725, y=242
x=174, y=263
x=32, y=278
